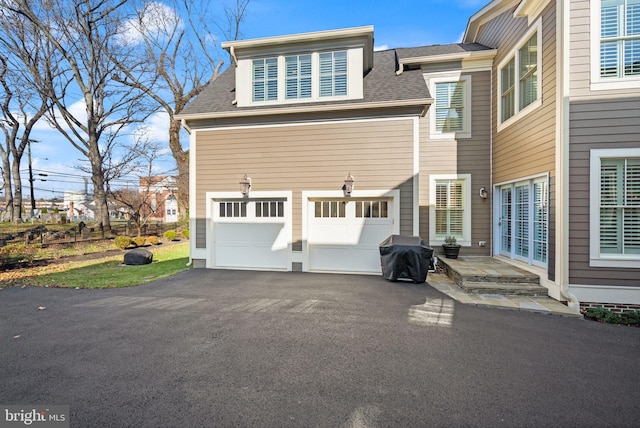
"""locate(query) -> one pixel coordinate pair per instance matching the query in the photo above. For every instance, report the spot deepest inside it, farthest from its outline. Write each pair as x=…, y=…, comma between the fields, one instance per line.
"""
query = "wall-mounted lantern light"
x=347, y=188
x=483, y=193
x=245, y=185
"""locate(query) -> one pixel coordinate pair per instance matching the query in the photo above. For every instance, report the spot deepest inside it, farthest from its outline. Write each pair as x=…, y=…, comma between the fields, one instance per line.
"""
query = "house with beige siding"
x=522, y=141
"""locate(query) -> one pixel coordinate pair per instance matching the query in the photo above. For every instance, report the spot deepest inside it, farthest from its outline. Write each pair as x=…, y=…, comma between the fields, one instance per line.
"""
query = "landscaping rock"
x=138, y=256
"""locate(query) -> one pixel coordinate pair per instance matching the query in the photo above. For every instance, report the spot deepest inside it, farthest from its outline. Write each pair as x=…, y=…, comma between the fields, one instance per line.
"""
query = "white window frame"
x=354, y=79
x=333, y=75
x=597, y=82
x=298, y=78
x=596, y=259
x=265, y=80
x=466, y=195
x=434, y=79
x=515, y=53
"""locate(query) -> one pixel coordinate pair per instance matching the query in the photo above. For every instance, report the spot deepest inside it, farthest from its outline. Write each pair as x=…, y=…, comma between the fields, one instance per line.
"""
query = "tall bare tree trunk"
x=8, y=191
x=17, y=192
x=182, y=163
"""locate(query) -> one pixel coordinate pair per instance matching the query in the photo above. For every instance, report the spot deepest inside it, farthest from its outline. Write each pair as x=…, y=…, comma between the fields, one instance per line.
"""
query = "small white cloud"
x=155, y=20
x=381, y=48
x=155, y=128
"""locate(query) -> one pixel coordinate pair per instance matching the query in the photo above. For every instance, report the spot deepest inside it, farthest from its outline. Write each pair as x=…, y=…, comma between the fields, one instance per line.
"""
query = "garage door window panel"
x=269, y=209
x=330, y=209
x=372, y=209
x=233, y=209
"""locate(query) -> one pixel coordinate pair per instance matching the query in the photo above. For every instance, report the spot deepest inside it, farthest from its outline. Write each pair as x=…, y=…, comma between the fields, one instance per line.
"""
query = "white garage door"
x=251, y=234
x=343, y=235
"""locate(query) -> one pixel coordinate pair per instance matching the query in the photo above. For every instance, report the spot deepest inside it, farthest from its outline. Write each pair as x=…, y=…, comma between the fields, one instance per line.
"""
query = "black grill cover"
x=405, y=257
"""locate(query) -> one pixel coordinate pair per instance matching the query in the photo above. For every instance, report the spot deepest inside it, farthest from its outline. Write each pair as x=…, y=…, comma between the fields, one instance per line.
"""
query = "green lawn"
x=110, y=273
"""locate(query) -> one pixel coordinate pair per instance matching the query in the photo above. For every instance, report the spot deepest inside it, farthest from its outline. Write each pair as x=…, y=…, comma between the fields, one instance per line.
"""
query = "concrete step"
x=504, y=288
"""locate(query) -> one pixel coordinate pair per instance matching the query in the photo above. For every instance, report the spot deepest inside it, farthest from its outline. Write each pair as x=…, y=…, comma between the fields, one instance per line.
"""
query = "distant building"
x=79, y=204
x=162, y=203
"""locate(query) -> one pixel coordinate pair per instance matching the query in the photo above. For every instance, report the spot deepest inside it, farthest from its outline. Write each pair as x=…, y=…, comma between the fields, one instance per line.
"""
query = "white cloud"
x=156, y=19
x=381, y=48
x=155, y=128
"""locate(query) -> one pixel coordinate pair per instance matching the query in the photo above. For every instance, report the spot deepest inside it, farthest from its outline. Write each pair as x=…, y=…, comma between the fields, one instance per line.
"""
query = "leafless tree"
x=89, y=108
x=140, y=202
x=180, y=60
x=21, y=106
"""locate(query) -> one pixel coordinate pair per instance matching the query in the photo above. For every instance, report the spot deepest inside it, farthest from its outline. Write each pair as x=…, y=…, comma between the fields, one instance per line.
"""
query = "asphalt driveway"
x=231, y=348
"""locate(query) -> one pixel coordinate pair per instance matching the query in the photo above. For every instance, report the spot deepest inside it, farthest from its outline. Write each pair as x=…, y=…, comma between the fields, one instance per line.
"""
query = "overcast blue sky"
x=397, y=23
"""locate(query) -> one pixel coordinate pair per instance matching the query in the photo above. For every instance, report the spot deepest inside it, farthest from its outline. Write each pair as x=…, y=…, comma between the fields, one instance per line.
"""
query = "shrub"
x=123, y=242
x=15, y=253
x=605, y=315
x=139, y=240
x=170, y=235
x=185, y=233
x=153, y=240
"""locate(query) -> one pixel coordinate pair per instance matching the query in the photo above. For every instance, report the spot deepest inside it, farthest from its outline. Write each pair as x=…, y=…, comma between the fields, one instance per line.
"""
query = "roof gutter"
x=431, y=59
x=307, y=109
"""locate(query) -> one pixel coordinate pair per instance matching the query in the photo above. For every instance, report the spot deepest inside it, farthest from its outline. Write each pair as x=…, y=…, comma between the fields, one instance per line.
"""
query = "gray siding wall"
x=462, y=156
x=598, y=124
x=379, y=154
x=599, y=119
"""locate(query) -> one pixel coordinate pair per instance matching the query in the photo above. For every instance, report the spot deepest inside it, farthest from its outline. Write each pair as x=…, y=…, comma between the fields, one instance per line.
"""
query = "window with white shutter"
x=265, y=79
x=450, y=116
x=619, y=38
x=528, y=72
x=298, y=76
x=333, y=74
x=450, y=107
x=620, y=206
x=450, y=208
x=615, y=207
x=520, y=79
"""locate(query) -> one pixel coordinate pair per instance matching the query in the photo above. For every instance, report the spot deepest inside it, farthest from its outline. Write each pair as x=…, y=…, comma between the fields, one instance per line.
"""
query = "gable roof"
x=381, y=87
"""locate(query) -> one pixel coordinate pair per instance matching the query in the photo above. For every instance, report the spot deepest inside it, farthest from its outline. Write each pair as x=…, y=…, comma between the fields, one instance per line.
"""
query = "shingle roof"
x=380, y=84
x=433, y=50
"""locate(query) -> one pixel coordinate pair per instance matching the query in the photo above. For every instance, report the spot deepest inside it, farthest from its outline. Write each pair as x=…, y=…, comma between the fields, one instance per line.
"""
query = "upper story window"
x=265, y=79
x=615, y=44
x=619, y=38
x=298, y=78
x=451, y=113
x=519, y=78
x=333, y=74
x=303, y=77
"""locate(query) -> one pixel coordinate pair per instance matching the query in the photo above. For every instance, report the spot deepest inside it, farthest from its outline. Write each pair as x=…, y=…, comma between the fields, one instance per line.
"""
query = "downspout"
x=562, y=155
x=183, y=122
x=232, y=52
x=493, y=196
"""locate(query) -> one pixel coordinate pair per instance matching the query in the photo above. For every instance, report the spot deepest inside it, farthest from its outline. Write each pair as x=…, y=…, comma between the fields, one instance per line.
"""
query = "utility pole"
x=33, y=198
x=31, y=179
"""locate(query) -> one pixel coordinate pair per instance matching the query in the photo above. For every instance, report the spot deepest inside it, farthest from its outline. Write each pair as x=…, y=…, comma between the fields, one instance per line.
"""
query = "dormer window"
x=265, y=79
x=333, y=74
x=298, y=80
x=301, y=69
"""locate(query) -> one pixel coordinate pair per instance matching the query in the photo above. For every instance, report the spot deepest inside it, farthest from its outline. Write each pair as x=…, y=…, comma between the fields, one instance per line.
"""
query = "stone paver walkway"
x=540, y=304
